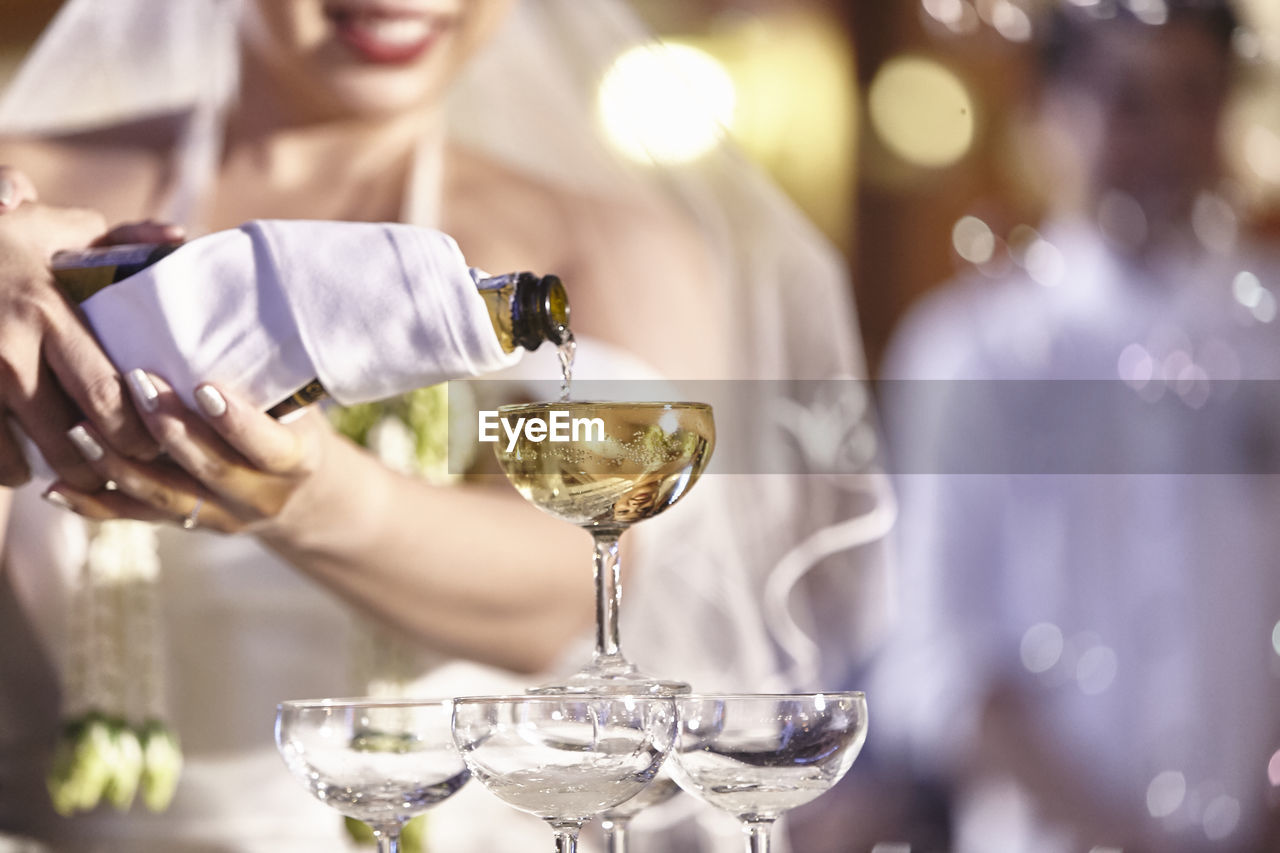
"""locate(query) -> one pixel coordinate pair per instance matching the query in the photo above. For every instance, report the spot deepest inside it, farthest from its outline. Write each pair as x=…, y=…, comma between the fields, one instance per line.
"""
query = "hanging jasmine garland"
x=116, y=740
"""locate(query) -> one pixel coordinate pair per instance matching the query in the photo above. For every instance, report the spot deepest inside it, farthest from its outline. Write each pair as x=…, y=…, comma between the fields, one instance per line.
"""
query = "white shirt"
x=1135, y=606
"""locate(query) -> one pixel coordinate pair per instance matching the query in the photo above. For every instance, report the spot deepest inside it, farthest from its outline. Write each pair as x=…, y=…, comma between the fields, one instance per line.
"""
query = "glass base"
x=613, y=678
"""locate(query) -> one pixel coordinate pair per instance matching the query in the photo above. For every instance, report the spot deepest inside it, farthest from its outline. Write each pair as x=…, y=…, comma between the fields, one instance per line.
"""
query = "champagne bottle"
x=525, y=309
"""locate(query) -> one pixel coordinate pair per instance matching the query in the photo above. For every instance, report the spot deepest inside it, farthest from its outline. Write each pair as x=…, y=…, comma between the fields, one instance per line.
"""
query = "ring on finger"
x=193, y=517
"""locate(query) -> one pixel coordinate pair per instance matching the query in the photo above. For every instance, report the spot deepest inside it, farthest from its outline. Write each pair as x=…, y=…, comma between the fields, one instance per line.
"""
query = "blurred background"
x=888, y=122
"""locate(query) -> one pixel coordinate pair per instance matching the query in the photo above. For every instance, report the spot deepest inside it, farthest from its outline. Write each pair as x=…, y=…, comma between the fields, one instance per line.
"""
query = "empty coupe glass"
x=379, y=761
x=564, y=758
x=756, y=756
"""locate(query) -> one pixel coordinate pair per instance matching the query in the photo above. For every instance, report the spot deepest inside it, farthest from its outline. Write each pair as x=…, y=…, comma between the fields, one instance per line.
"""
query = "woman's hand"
x=52, y=371
x=229, y=468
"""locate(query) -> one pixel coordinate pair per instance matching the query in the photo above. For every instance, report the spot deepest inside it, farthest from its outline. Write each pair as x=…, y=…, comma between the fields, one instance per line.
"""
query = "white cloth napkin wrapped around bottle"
x=369, y=309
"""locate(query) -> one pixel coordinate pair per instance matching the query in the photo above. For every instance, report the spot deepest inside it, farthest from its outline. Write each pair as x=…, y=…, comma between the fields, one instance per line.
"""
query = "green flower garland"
x=115, y=740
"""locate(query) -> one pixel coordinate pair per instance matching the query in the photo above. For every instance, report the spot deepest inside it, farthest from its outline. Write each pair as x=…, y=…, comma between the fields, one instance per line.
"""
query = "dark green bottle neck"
x=539, y=311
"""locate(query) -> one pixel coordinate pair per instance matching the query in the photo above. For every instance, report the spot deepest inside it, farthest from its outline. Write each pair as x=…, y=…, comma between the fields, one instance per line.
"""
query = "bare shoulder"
x=118, y=169
x=640, y=273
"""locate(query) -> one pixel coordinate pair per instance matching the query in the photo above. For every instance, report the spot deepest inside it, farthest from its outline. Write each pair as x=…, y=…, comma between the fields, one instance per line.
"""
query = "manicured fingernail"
x=7, y=192
x=85, y=443
x=210, y=401
x=144, y=390
x=174, y=232
x=58, y=499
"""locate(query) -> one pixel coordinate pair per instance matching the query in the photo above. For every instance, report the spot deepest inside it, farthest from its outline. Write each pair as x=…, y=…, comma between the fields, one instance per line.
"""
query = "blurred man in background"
x=1090, y=586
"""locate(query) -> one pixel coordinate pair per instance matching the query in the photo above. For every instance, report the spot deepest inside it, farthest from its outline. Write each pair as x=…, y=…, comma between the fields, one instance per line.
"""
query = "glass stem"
x=388, y=837
x=615, y=834
x=608, y=595
x=566, y=837
x=757, y=832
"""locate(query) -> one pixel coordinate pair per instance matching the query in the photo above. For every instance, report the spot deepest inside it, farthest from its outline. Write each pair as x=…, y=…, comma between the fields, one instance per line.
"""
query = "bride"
x=472, y=116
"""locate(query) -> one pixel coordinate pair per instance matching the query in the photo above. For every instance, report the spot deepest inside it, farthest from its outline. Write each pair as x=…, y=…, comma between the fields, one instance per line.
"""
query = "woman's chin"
x=372, y=92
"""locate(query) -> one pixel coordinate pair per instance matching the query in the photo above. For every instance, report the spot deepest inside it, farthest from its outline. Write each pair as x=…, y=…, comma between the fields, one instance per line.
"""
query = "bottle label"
x=310, y=393
x=80, y=284
x=82, y=273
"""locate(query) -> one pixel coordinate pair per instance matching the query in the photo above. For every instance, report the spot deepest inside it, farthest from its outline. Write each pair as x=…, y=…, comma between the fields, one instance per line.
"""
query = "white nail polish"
x=7, y=192
x=144, y=390
x=85, y=443
x=210, y=401
x=58, y=499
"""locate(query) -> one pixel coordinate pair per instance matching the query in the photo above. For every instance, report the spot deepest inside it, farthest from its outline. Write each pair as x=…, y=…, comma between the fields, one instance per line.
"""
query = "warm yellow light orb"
x=921, y=111
x=667, y=103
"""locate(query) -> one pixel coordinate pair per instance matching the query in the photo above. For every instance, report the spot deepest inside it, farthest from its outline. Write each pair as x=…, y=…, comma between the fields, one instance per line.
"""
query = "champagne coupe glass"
x=756, y=755
x=621, y=463
x=564, y=757
x=379, y=761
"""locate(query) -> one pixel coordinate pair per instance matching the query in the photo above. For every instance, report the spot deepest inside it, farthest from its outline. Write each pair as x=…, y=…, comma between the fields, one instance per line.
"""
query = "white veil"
x=778, y=581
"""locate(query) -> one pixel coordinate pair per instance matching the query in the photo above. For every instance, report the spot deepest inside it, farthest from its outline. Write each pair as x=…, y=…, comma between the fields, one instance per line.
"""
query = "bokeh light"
x=949, y=13
x=1136, y=366
x=668, y=103
x=1011, y=21
x=921, y=111
x=1262, y=153
x=1045, y=263
x=1153, y=12
x=973, y=240
x=1221, y=817
x=1042, y=647
x=1249, y=291
x=1096, y=670
x=1166, y=793
x=796, y=106
x=1273, y=769
x=1265, y=310
x=1215, y=223
x=1176, y=367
